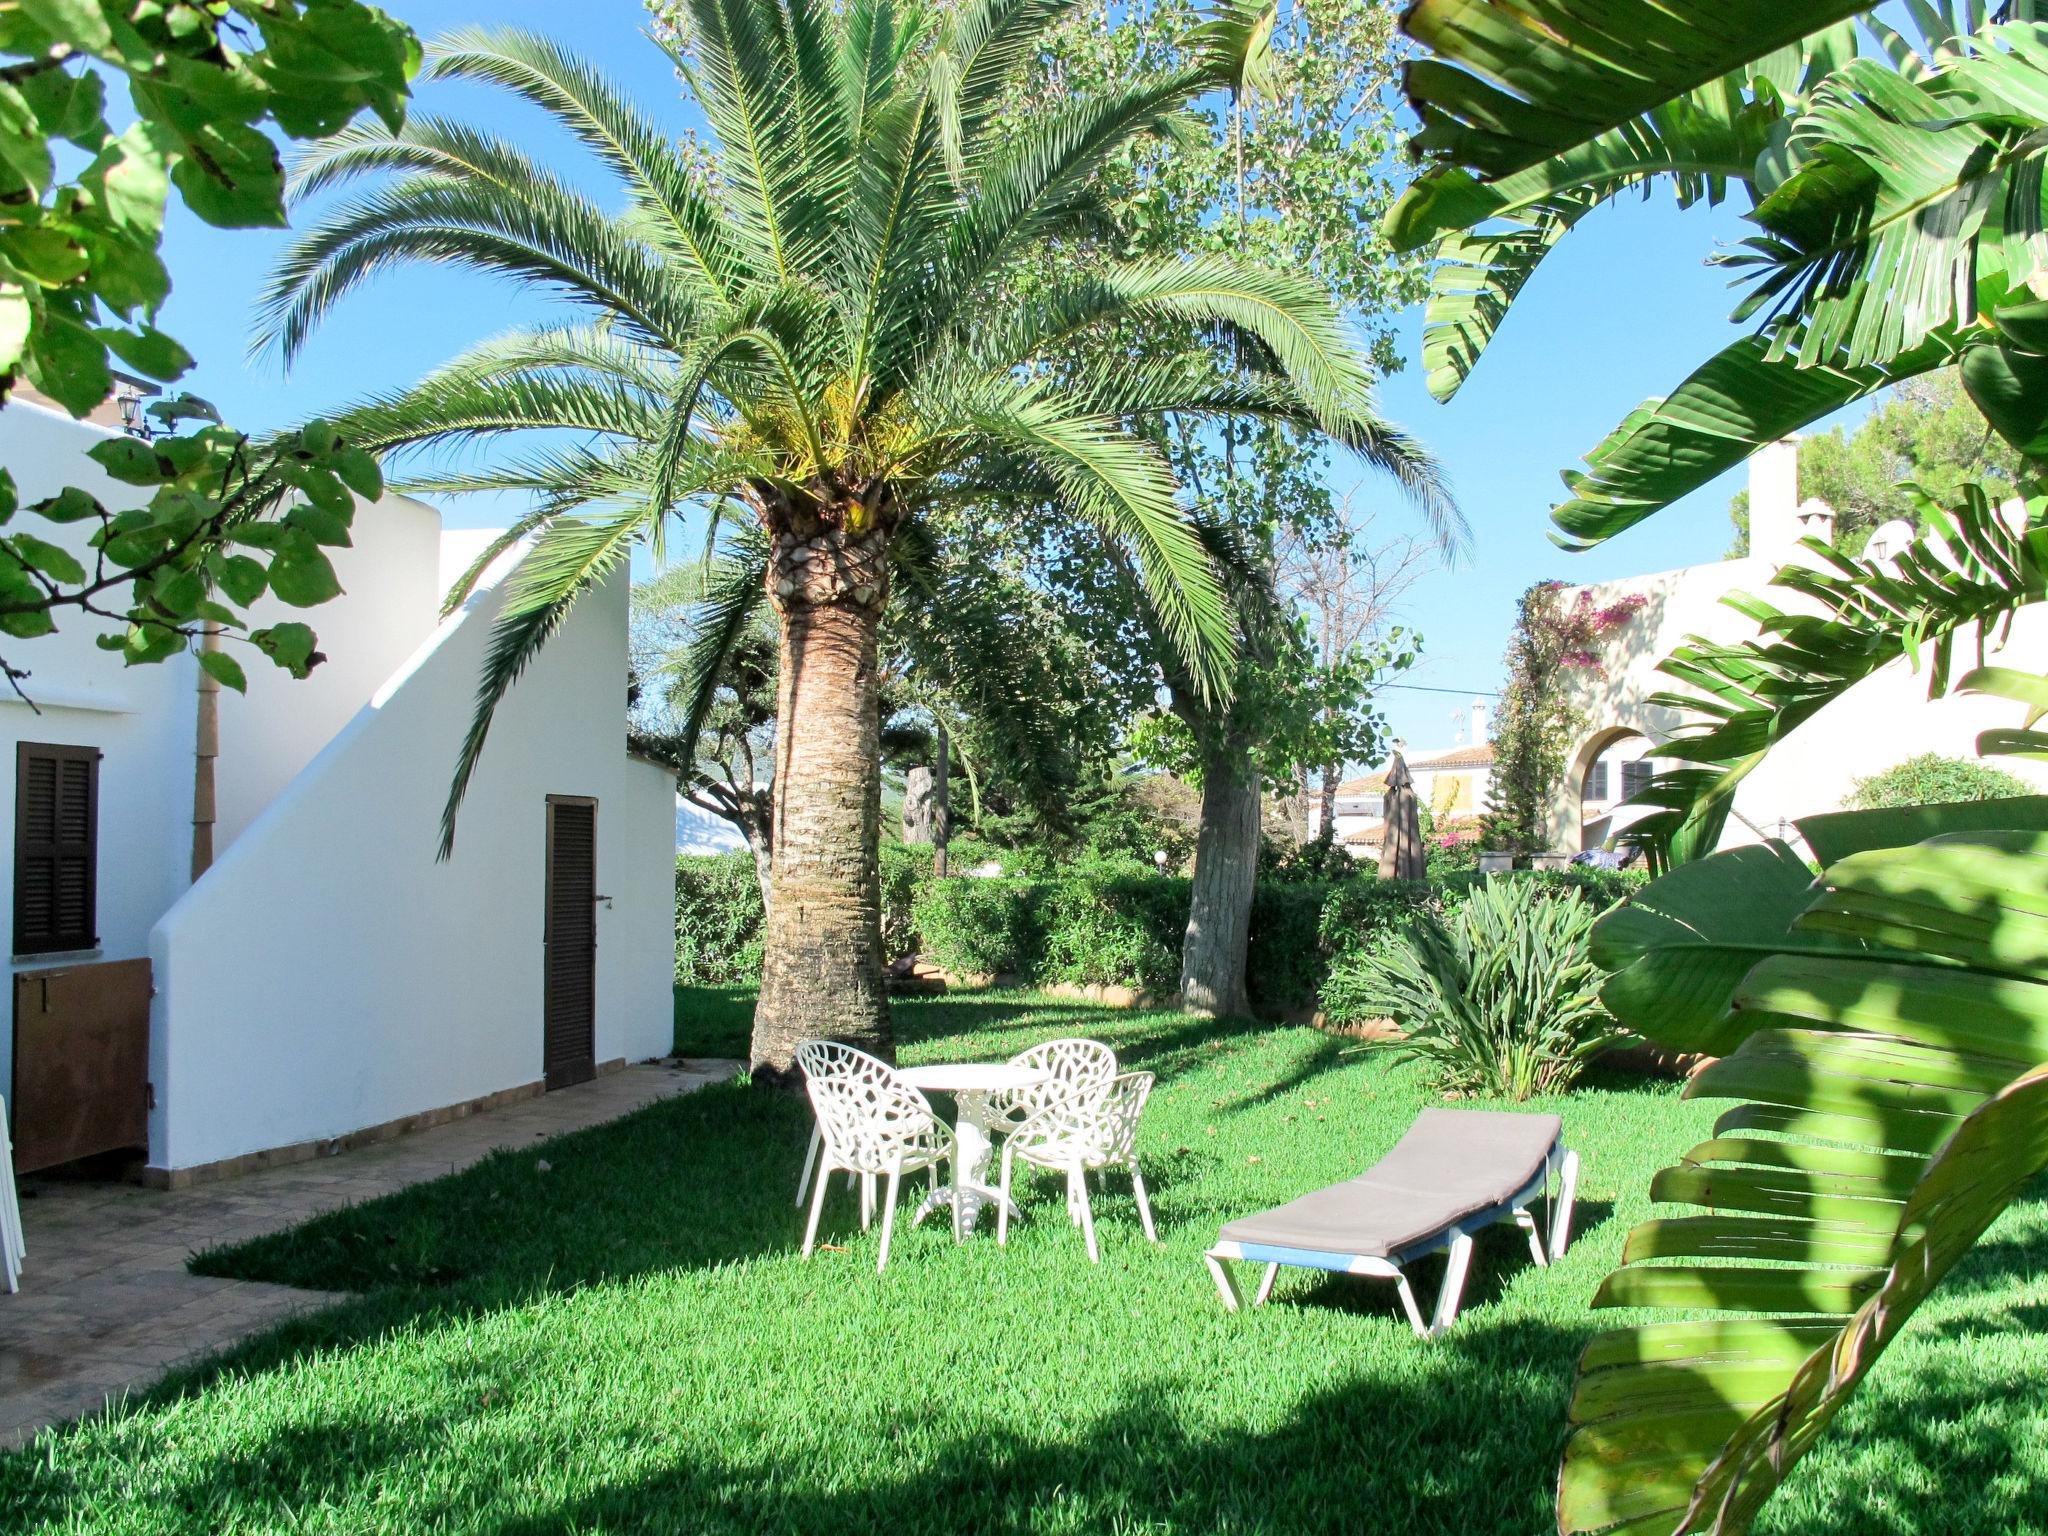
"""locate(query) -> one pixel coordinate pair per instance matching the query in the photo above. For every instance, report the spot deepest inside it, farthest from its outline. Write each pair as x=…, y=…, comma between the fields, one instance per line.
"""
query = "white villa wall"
x=329, y=975
x=390, y=604
x=1879, y=723
x=140, y=717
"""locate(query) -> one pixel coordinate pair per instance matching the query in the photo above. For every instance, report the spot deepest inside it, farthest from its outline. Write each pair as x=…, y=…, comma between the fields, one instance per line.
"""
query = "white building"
x=325, y=978
x=1451, y=781
x=1876, y=725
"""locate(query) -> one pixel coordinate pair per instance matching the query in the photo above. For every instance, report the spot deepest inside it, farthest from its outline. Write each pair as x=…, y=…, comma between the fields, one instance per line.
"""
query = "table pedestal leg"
x=974, y=1148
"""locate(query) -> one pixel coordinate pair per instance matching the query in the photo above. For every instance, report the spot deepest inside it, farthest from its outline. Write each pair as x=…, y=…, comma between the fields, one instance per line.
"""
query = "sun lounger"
x=1456, y=1172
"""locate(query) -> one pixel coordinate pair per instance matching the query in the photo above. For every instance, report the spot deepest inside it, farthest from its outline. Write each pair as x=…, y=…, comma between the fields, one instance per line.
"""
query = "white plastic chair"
x=876, y=1125
x=830, y=1058
x=1079, y=1135
x=13, y=1249
x=1084, y=1067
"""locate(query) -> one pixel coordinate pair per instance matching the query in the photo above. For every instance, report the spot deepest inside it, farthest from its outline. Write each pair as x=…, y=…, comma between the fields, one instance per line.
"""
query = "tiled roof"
x=1480, y=756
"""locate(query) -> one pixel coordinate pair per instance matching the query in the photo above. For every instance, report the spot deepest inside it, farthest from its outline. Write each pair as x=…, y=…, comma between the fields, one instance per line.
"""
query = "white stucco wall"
x=390, y=603
x=141, y=718
x=1879, y=723
x=329, y=975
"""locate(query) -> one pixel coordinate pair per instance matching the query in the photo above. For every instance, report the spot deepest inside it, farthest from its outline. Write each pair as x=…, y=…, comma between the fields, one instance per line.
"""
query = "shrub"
x=1931, y=779
x=906, y=870
x=718, y=919
x=979, y=927
x=1285, y=961
x=1123, y=930
x=1498, y=998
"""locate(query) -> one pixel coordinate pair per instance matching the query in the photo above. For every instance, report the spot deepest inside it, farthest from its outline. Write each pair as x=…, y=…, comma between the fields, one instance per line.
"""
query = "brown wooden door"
x=569, y=1025
x=81, y=1062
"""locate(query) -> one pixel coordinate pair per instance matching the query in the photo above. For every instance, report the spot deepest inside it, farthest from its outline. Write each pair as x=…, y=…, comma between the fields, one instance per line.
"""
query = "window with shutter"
x=1596, y=782
x=56, y=848
x=1635, y=777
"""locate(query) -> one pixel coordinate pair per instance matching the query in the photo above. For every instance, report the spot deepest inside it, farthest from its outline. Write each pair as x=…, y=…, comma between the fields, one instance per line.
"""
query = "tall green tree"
x=1291, y=166
x=796, y=327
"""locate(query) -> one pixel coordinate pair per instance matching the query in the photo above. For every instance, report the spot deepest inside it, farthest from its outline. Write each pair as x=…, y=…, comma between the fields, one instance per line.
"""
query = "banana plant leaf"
x=1512, y=84
x=1888, y=1060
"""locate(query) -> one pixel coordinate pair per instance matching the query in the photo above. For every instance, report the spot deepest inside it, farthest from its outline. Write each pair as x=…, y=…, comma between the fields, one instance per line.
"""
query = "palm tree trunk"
x=1212, y=957
x=821, y=970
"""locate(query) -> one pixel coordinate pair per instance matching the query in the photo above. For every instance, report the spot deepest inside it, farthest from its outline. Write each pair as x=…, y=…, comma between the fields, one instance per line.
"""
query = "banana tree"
x=1896, y=187
x=1883, y=1030
x=796, y=321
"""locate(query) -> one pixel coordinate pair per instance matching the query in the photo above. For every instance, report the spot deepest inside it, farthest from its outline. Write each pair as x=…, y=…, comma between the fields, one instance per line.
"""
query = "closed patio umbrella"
x=1401, y=856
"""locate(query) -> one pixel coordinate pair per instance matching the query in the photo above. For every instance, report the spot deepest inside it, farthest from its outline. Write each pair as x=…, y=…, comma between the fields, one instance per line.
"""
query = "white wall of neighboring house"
x=391, y=595
x=327, y=974
x=1879, y=723
x=142, y=718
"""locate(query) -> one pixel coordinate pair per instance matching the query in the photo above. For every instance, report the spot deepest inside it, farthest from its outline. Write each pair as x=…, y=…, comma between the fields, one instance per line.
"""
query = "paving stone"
x=107, y=1304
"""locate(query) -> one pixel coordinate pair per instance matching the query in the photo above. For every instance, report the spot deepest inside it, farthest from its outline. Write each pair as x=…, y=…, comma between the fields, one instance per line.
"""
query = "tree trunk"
x=942, y=802
x=821, y=970
x=1331, y=778
x=1212, y=957
x=764, y=870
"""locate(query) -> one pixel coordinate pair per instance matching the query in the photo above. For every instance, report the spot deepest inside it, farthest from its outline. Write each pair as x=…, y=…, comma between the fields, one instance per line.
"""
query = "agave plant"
x=1895, y=187
x=805, y=326
x=1500, y=997
x=1884, y=1031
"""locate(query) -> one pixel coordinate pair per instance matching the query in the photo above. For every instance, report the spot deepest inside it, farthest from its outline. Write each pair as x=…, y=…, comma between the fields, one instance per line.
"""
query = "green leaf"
x=57, y=563
x=68, y=363
x=324, y=524
x=77, y=22
x=303, y=577
x=1917, y=1103
x=224, y=669
x=231, y=178
x=359, y=472
x=147, y=350
x=242, y=578
x=130, y=461
x=290, y=646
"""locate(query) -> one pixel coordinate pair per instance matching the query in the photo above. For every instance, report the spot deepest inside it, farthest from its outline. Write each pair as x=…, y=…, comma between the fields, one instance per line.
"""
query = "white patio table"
x=970, y=1083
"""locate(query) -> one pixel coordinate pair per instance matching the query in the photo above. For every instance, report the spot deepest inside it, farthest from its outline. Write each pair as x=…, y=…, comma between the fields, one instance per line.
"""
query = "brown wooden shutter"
x=56, y=848
x=569, y=1026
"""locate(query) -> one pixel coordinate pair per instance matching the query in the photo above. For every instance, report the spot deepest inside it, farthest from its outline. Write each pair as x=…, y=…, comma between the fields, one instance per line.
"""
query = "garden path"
x=107, y=1305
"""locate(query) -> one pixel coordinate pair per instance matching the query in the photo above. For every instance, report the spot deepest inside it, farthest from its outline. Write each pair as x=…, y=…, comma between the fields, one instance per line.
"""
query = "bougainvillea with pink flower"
x=1538, y=721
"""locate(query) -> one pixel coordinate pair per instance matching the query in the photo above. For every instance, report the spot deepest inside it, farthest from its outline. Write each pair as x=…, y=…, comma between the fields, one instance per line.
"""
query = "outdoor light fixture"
x=128, y=401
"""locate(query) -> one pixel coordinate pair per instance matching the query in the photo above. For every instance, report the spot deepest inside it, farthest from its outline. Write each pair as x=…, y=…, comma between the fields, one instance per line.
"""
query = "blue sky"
x=1622, y=311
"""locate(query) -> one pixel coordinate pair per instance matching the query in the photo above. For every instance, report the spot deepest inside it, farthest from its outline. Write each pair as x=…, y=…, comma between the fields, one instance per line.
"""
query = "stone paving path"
x=106, y=1305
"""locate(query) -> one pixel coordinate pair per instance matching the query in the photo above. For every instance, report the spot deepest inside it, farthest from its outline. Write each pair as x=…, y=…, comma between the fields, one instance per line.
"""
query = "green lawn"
x=714, y=1021
x=628, y=1342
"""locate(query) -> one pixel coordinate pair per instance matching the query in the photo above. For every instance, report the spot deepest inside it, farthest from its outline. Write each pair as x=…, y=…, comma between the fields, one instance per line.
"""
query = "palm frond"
x=1120, y=483
x=542, y=233
x=569, y=557
x=1965, y=577
x=578, y=96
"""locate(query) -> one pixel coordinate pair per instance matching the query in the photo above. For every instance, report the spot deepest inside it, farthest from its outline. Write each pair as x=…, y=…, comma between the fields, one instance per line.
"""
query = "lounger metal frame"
x=1559, y=1165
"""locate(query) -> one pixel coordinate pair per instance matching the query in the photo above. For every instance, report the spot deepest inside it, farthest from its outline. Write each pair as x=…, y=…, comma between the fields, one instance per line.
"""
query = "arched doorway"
x=1610, y=766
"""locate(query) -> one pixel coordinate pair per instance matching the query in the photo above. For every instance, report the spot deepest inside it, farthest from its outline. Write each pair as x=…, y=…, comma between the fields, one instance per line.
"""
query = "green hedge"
x=1103, y=922
x=718, y=919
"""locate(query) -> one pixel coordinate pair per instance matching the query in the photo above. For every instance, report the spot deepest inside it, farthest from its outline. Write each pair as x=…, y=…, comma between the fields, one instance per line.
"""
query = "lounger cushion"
x=1452, y=1164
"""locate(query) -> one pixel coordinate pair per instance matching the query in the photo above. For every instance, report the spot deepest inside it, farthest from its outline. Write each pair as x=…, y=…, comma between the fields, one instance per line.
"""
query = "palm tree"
x=800, y=323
